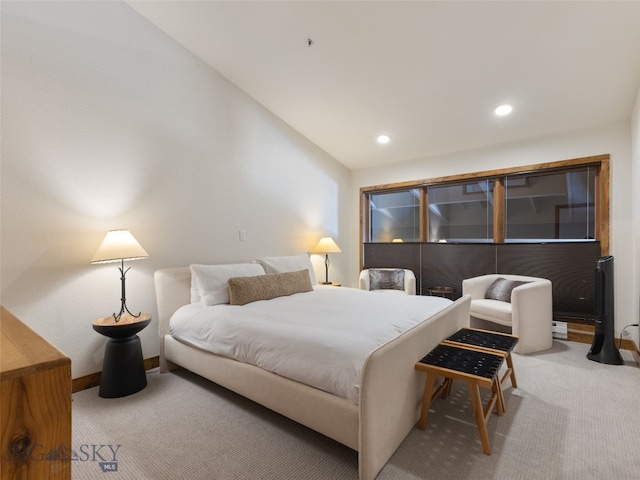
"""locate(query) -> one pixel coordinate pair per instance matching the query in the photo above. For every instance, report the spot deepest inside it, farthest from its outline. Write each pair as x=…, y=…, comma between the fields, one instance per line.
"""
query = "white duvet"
x=320, y=338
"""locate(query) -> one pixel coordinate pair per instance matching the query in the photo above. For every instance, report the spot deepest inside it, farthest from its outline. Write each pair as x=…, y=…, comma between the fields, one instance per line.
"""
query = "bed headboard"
x=173, y=290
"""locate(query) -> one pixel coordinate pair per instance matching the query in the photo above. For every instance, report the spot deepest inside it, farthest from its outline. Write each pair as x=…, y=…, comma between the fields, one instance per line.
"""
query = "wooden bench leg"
x=496, y=386
x=513, y=372
x=446, y=387
x=509, y=374
x=426, y=400
x=478, y=411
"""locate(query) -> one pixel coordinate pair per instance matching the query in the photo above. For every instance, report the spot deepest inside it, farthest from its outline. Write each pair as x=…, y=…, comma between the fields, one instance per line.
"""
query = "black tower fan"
x=604, y=348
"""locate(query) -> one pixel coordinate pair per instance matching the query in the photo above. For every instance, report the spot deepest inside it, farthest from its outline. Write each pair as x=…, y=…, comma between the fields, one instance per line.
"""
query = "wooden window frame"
x=602, y=196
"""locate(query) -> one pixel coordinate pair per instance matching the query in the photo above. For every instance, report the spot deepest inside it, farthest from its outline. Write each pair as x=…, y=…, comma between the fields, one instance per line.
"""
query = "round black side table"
x=123, y=365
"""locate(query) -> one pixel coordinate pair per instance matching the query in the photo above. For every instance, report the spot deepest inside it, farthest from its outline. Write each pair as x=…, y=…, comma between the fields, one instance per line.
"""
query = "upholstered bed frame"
x=390, y=390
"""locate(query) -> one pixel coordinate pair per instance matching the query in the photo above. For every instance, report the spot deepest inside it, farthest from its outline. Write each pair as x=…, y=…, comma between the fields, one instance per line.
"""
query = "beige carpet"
x=570, y=418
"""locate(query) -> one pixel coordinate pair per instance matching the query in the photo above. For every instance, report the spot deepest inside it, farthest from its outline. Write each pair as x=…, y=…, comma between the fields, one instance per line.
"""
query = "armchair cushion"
x=386, y=279
x=494, y=310
x=501, y=289
x=408, y=281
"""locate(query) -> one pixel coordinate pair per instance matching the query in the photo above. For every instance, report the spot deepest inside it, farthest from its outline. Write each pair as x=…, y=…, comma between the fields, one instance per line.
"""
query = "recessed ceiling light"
x=503, y=110
x=383, y=139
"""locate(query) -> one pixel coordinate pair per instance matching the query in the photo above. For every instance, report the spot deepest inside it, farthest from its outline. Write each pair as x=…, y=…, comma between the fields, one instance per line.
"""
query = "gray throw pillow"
x=501, y=289
x=386, y=279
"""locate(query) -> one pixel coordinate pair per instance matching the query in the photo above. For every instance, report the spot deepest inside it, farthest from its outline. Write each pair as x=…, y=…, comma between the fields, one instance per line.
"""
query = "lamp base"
x=123, y=309
x=123, y=298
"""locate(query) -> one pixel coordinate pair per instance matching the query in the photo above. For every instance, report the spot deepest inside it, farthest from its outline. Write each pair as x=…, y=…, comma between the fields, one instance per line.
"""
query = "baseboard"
x=581, y=333
x=93, y=379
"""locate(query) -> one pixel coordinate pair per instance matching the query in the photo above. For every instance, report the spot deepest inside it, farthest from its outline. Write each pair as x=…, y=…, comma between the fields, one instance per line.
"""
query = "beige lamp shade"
x=326, y=245
x=119, y=245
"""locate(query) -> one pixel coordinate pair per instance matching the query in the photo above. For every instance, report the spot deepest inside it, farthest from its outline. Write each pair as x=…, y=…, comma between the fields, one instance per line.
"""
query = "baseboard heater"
x=559, y=330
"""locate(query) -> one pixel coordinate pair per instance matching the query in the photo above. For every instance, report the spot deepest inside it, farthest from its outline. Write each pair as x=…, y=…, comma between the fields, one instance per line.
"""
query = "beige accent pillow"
x=243, y=290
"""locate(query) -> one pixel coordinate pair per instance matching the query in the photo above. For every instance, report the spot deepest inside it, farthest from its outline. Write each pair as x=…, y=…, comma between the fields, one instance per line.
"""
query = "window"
x=564, y=201
x=395, y=216
x=461, y=212
x=546, y=207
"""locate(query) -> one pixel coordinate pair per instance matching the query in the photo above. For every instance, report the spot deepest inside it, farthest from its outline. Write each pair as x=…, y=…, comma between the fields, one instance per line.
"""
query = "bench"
x=476, y=368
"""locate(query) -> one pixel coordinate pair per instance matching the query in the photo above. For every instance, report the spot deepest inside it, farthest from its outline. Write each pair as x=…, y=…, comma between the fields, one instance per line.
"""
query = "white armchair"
x=527, y=308
x=408, y=286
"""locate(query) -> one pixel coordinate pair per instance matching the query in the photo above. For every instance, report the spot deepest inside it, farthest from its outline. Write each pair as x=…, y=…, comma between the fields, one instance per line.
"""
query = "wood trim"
x=365, y=206
x=88, y=381
x=602, y=184
x=93, y=379
x=603, y=206
x=582, y=333
x=627, y=344
x=574, y=162
x=424, y=215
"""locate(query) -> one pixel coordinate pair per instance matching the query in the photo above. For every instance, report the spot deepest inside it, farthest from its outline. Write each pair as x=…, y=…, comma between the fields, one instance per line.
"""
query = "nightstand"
x=446, y=292
x=123, y=365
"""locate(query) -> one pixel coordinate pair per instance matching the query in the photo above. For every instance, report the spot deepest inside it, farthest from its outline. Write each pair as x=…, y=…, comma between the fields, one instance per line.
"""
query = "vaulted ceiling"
x=427, y=73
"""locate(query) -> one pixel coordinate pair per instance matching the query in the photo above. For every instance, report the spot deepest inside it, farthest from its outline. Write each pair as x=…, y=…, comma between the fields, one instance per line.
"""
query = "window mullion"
x=499, y=212
x=424, y=215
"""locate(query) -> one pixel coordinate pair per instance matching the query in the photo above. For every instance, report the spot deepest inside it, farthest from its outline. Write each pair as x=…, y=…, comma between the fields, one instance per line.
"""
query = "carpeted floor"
x=570, y=418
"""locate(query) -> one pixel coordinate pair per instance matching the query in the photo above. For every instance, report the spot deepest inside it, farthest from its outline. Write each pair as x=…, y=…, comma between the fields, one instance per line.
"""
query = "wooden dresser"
x=35, y=398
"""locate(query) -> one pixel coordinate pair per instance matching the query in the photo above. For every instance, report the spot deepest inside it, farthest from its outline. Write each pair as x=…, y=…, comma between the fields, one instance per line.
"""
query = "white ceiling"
x=427, y=73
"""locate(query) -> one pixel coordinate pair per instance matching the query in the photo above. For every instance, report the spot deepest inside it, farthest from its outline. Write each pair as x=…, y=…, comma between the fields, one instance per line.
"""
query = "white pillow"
x=211, y=280
x=195, y=294
x=291, y=263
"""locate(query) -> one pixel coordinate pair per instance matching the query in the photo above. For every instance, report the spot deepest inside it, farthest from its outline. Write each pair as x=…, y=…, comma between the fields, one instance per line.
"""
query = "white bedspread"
x=319, y=338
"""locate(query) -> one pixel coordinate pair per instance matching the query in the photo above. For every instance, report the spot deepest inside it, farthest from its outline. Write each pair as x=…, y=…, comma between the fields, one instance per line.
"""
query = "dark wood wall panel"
x=569, y=266
x=394, y=255
x=447, y=264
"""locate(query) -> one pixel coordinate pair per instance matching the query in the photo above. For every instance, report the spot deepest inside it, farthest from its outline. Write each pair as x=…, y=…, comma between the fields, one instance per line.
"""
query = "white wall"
x=612, y=139
x=635, y=169
x=108, y=123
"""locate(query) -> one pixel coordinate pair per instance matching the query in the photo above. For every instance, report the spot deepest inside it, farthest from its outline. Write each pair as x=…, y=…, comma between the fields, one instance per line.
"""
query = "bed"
x=386, y=405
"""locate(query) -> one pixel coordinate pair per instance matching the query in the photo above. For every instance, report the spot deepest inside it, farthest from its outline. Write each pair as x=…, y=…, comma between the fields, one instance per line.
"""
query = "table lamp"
x=118, y=246
x=326, y=245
